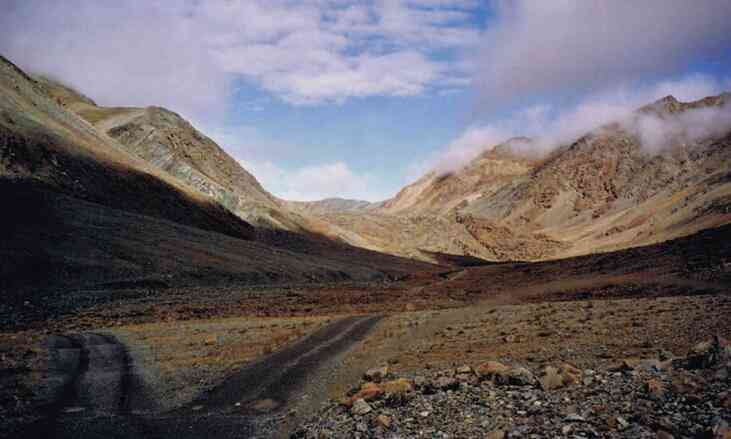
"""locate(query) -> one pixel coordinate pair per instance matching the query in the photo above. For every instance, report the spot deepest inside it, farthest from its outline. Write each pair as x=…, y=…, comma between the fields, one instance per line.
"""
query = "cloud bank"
x=184, y=54
x=550, y=127
x=559, y=46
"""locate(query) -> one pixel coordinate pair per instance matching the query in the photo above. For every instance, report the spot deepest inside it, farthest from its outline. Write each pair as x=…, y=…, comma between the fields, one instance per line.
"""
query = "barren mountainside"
x=605, y=191
x=169, y=142
x=87, y=212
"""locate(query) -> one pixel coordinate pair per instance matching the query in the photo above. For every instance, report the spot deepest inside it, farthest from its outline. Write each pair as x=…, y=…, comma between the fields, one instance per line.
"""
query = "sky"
x=355, y=99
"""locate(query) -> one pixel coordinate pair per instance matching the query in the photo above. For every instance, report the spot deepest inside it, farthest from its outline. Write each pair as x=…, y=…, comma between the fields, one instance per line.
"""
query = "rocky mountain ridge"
x=605, y=191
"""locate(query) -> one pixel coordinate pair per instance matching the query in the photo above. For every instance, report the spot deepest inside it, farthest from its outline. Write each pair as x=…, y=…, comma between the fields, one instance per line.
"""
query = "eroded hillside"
x=607, y=190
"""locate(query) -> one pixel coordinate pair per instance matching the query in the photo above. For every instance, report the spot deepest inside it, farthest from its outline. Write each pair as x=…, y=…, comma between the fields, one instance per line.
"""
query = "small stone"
x=655, y=388
x=424, y=414
x=376, y=374
x=496, y=434
x=361, y=427
x=491, y=369
x=626, y=365
x=447, y=383
x=360, y=407
x=383, y=421
x=399, y=386
x=464, y=369
x=721, y=429
x=566, y=429
x=551, y=379
x=662, y=434
x=517, y=376
x=622, y=423
x=573, y=417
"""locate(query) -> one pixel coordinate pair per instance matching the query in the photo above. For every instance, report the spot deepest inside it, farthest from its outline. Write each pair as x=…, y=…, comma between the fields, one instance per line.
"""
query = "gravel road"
x=97, y=392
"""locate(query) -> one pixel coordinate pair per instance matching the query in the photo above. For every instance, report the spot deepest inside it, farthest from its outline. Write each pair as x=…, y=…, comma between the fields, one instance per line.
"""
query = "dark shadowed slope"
x=81, y=211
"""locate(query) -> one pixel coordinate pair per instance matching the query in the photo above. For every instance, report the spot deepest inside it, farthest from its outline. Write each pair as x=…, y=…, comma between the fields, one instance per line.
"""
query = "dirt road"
x=97, y=392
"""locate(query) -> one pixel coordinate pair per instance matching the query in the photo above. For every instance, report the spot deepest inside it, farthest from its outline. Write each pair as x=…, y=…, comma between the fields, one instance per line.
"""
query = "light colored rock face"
x=168, y=142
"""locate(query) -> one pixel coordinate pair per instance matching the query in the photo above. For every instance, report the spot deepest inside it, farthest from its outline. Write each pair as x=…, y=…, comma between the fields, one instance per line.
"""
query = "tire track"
x=99, y=392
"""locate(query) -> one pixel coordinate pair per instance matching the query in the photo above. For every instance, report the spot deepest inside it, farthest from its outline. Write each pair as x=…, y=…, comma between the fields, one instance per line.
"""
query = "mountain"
x=608, y=190
x=331, y=205
x=83, y=211
x=169, y=142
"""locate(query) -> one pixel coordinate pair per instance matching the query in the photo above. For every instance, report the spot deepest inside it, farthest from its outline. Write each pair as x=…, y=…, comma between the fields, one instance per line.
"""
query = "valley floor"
x=592, y=312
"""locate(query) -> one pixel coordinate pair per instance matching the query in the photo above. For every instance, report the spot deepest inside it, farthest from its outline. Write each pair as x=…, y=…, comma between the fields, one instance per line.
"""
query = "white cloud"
x=551, y=127
x=570, y=46
x=316, y=182
x=183, y=54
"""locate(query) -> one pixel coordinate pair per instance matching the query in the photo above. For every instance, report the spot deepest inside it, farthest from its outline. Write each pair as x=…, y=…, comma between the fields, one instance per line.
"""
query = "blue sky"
x=321, y=98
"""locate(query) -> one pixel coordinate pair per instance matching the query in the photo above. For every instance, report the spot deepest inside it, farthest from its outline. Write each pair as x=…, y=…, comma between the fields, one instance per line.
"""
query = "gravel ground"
x=665, y=398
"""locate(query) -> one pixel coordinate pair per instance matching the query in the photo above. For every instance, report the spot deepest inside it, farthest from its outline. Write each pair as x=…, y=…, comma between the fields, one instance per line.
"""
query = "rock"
x=662, y=434
x=361, y=427
x=399, y=386
x=420, y=381
x=706, y=354
x=369, y=392
x=622, y=423
x=721, y=429
x=517, y=376
x=490, y=369
x=722, y=374
x=383, y=421
x=626, y=365
x=447, y=383
x=464, y=370
x=360, y=407
x=554, y=378
x=510, y=339
x=551, y=378
x=655, y=389
x=725, y=400
x=496, y=434
x=376, y=374
x=571, y=374
x=573, y=417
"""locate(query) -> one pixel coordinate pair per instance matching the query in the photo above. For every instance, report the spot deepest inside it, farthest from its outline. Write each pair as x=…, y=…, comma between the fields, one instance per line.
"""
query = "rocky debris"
x=706, y=354
x=507, y=401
